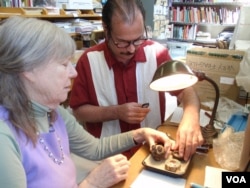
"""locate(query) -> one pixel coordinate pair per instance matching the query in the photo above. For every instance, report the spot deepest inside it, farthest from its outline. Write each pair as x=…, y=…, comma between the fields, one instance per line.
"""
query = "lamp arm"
x=201, y=76
x=216, y=101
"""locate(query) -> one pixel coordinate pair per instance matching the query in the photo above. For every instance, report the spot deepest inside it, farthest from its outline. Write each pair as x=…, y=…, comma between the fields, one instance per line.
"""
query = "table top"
x=195, y=172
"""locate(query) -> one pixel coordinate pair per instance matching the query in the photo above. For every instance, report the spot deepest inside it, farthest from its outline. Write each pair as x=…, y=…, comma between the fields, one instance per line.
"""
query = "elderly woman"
x=37, y=135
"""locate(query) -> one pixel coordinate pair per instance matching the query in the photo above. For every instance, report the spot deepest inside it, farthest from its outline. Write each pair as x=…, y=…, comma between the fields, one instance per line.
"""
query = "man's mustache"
x=127, y=53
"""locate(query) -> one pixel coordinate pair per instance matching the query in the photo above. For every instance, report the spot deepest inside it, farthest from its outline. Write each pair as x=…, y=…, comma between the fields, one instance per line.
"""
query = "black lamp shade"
x=173, y=75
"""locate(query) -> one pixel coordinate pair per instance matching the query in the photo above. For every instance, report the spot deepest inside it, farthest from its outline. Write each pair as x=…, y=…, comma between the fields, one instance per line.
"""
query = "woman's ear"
x=28, y=75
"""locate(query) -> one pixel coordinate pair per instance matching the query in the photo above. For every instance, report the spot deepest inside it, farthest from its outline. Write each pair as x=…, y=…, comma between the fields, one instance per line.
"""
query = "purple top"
x=41, y=170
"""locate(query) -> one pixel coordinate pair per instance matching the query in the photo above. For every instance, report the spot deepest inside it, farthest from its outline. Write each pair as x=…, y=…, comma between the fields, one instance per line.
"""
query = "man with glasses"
x=114, y=76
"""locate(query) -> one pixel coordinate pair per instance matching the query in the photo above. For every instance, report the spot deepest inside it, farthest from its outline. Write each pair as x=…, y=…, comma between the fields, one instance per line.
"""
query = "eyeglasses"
x=125, y=44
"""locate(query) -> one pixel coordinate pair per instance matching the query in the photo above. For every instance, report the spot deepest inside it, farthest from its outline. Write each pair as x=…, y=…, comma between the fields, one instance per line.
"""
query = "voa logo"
x=236, y=179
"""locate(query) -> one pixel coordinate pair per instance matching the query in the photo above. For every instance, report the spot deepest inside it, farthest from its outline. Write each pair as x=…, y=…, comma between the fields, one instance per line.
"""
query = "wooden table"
x=195, y=172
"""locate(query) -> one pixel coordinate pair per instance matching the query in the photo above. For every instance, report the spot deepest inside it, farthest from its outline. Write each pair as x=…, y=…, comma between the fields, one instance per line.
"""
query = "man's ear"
x=104, y=26
x=105, y=30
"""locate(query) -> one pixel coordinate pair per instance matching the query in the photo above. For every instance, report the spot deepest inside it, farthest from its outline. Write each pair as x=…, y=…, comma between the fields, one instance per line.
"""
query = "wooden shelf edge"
x=41, y=12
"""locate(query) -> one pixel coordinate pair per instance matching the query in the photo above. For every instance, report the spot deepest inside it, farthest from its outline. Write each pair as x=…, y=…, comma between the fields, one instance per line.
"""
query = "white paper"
x=227, y=80
x=177, y=115
x=147, y=179
x=213, y=177
x=170, y=105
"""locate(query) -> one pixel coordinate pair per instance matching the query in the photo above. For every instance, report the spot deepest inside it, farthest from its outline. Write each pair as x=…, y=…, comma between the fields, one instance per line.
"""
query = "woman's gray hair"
x=27, y=43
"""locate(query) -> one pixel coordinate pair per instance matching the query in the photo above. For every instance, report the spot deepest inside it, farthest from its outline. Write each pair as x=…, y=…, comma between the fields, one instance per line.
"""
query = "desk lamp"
x=175, y=75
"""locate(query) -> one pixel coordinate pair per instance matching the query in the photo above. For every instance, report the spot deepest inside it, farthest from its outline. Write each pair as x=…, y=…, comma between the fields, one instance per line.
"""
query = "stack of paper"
x=213, y=177
x=149, y=179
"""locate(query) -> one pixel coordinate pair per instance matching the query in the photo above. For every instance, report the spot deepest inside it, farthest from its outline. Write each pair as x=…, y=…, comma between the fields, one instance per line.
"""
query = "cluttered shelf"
x=40, y=12
x=84, y=26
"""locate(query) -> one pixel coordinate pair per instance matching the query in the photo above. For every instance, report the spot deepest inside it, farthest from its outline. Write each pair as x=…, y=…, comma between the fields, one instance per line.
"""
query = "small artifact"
x=172, y=165
x=158, y=152
x=176, y=155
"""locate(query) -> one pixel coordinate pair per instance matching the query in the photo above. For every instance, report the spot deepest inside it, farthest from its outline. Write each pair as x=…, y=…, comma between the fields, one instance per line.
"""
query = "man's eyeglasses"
x=125, y=44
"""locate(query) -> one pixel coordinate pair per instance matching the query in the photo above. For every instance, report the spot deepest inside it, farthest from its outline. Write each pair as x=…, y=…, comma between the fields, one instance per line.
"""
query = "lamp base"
x=209, y=133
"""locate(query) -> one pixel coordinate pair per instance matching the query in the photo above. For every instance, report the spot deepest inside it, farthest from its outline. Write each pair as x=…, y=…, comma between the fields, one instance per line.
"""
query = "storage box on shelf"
x=75, y=4
x=178, y=49
x=92, y=39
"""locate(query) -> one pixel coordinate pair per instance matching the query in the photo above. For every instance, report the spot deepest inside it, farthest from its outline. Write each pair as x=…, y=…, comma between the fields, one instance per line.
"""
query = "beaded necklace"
x=46, y=148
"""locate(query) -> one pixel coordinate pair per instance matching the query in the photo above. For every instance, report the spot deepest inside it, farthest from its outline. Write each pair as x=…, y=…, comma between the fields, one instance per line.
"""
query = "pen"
x=195, y=185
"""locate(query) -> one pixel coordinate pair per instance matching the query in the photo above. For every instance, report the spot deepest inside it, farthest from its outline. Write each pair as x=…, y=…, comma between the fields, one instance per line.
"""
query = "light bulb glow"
x=174, y=82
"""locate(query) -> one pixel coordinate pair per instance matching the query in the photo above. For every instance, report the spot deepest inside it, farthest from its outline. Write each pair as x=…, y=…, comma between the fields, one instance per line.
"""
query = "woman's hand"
x=111, y=171
x=152, y=137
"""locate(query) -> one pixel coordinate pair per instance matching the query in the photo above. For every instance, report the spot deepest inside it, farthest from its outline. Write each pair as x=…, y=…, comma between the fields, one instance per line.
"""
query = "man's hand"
x=132, y=112
x=188, y=137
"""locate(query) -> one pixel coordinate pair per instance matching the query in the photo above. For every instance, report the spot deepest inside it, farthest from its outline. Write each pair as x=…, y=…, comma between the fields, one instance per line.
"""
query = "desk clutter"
x=231, y=148
x=238, y=122
x=228, y=148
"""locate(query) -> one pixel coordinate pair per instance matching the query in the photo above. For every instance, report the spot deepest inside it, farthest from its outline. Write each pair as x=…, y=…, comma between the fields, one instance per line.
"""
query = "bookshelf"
x=201, y=21
x=61, y=16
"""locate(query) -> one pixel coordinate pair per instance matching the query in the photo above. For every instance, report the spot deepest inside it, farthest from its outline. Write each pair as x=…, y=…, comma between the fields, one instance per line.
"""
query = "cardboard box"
x=75, y=4
x=220, y=65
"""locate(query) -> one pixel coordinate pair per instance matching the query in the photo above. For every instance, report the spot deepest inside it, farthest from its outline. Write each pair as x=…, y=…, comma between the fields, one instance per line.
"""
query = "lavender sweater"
x=23, y=165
